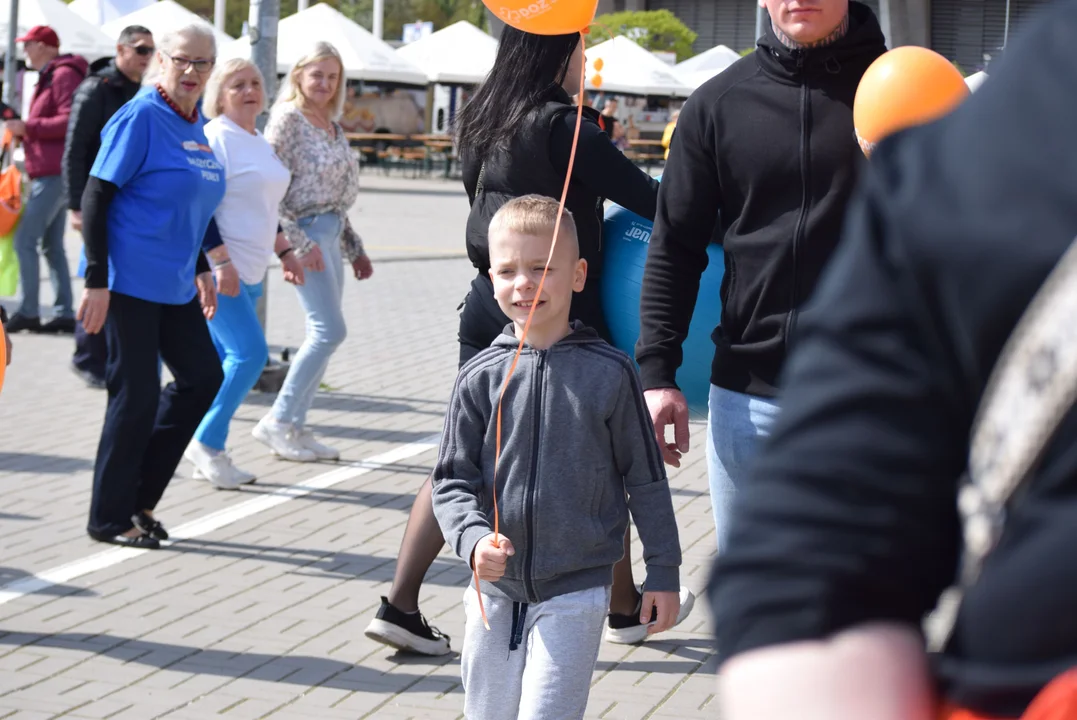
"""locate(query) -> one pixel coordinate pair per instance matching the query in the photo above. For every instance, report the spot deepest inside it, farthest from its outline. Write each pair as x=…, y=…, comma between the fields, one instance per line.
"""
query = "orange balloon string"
x=530, y=315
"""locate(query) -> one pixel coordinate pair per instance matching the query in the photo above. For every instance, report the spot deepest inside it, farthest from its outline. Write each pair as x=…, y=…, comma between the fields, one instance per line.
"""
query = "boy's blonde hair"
x=534, y=215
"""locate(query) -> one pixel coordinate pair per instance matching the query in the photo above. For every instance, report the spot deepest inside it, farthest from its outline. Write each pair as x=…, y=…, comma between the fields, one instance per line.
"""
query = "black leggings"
x=481, y=320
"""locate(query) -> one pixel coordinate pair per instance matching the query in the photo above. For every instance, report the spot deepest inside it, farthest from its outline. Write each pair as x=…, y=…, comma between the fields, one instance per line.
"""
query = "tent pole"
x=379, y=19
x=11, y=58
x=218, y=14
x=262, y=22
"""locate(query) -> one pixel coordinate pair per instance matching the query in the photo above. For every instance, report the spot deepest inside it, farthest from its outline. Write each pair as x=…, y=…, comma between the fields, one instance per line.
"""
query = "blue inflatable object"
x=626, y=237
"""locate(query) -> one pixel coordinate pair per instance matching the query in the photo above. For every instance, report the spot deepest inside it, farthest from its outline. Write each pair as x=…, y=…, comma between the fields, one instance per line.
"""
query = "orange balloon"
x=598, y=64
x=545, y=17
x=906, y=86
x=596, y=80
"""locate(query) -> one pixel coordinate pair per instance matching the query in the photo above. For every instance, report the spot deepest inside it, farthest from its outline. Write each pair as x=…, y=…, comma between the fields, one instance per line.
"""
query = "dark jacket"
x=96, y=100
x=576, y=439
x=770, y=142
x=46, y=123
x=850, y=514
x=536, y=161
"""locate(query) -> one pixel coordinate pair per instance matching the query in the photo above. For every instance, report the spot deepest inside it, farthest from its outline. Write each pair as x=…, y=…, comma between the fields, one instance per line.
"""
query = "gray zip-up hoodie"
x=575, y=437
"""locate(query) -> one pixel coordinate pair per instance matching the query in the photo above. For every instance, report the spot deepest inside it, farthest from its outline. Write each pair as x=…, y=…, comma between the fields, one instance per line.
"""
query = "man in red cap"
x=42, y=135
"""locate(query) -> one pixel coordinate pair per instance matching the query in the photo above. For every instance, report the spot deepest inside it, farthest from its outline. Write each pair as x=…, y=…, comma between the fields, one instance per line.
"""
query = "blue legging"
x=241, y=345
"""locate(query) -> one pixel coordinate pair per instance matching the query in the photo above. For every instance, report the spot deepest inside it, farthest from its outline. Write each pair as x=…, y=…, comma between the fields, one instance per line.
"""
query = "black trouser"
x=91, y=351
x=481, y=319
x=147, y=428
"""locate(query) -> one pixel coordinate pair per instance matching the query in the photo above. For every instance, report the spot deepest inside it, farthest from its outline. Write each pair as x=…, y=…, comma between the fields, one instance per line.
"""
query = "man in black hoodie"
x=764, y=159
x=111, y=83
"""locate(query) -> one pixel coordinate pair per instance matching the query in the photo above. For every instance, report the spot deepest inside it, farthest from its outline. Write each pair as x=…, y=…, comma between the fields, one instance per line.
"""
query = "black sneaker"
x=18, y=323
x=628, y=630
x=408, y=632
x=59, y=326
x=94, y=381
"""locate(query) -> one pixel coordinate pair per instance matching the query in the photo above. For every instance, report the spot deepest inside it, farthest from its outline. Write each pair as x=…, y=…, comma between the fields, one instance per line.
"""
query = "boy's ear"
x=581, y=276
x=490, y=272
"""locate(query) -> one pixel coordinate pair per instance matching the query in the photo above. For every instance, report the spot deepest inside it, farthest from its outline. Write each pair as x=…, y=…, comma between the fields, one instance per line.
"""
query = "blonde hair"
x=534, y=215
x=211, y=101
x=290, y=92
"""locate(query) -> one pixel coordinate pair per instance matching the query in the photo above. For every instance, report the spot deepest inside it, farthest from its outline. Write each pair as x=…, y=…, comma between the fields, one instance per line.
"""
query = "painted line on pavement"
x=216, y=520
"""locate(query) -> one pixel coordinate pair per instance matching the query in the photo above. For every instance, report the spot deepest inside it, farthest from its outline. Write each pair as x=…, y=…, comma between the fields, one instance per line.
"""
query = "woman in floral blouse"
x=314, y=215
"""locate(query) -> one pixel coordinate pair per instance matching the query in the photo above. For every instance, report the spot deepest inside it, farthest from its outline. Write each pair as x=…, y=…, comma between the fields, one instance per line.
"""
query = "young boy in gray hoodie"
x=578, y=454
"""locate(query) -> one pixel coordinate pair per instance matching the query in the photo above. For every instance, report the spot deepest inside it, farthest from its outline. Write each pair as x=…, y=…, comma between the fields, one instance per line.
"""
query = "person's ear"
x=580, y=278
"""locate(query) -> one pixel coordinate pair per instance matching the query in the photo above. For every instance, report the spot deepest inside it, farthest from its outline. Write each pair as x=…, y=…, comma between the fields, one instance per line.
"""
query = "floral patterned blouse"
x=325, y=177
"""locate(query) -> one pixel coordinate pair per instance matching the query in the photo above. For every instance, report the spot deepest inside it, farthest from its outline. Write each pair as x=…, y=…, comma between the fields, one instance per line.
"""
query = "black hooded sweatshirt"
x=770, y=143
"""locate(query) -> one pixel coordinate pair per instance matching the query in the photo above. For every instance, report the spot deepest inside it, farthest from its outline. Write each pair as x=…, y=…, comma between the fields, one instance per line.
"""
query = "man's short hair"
x=130, y=33
x=533, y=215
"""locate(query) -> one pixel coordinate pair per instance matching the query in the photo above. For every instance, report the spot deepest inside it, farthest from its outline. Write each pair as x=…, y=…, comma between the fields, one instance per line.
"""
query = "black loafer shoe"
x=142, y=542
x=149, y=526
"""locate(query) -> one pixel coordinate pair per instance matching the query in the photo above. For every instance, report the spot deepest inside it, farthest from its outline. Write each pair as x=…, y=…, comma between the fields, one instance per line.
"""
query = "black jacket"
x=97, y=99
x=850, y=514
x=536, y=161
x=770, y=142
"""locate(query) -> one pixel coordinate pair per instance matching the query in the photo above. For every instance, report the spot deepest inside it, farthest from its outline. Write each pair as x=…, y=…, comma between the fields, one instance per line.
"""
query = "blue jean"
x=735, y=425
x=320, y=295
x=43, y=219
x=241, y=345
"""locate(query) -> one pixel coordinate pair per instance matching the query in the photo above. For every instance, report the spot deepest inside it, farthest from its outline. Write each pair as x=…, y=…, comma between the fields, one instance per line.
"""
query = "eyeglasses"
x=143, y=50
x=200, y=66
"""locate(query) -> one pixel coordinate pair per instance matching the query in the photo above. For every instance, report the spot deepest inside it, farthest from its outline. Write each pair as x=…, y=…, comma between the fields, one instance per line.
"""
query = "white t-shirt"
x=255, y=183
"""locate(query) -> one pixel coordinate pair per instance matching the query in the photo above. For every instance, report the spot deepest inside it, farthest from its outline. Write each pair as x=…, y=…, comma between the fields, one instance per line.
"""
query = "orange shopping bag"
x=10, y=186
x=1057, y=701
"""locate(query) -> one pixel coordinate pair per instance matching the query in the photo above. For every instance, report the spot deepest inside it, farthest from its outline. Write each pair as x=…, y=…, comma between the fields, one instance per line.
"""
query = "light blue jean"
x=735, y=425
x=43, y=219
x=320, y=295
x=241, y=345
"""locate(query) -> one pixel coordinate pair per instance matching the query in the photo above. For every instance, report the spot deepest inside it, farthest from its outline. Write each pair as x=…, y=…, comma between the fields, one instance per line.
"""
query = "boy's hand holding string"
x=490, y=556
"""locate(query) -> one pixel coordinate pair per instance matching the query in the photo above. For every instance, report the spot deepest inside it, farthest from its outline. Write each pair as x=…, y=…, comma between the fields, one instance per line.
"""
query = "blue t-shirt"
x=169, y=184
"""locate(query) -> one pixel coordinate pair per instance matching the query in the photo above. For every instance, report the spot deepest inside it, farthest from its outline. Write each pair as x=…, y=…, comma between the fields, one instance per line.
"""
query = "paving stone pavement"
x=258, y=607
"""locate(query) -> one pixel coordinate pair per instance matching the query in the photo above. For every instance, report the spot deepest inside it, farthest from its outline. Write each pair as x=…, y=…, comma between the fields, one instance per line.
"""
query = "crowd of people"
x=181, y=200
x=864, y=310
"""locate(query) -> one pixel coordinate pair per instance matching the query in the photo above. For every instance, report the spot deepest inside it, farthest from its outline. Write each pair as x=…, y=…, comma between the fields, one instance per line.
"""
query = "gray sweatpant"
x=548, y=676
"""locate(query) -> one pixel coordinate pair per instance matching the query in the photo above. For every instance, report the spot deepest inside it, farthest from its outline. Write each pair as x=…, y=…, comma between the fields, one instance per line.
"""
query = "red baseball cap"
x=42, y=34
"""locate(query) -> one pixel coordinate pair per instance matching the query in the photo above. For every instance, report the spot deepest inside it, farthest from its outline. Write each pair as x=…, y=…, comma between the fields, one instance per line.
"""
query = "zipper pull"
x=800, y=59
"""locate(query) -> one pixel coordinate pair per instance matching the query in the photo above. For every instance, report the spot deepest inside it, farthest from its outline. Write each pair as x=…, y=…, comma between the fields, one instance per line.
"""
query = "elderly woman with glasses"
x=152, y=192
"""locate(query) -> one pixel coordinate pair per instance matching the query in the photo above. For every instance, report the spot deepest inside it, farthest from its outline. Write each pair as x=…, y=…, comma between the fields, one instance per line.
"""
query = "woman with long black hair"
x=515, y=138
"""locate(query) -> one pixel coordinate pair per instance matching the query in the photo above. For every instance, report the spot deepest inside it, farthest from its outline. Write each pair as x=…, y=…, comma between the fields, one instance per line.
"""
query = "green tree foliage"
x=655, y=30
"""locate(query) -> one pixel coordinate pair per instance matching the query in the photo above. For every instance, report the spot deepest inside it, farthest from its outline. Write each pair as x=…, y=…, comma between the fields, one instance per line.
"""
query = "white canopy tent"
x=365, y=56
x=99, y=12
x=459, y=54
x=701, y=68
x=160, y=17
x=77, y=36
x=629, y=69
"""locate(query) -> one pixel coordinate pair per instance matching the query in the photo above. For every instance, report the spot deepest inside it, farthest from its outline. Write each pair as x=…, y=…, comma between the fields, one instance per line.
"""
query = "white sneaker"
x=244, y=477
x=212, y=465
x=628, y=630
x=283, y=440
x=322, y=451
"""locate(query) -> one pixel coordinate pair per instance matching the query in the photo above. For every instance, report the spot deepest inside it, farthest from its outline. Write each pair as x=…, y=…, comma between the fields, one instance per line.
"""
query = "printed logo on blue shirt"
x=208, y=165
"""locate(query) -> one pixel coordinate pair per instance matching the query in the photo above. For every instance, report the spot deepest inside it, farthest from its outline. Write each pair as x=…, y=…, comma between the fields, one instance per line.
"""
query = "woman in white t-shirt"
x=255, y=182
